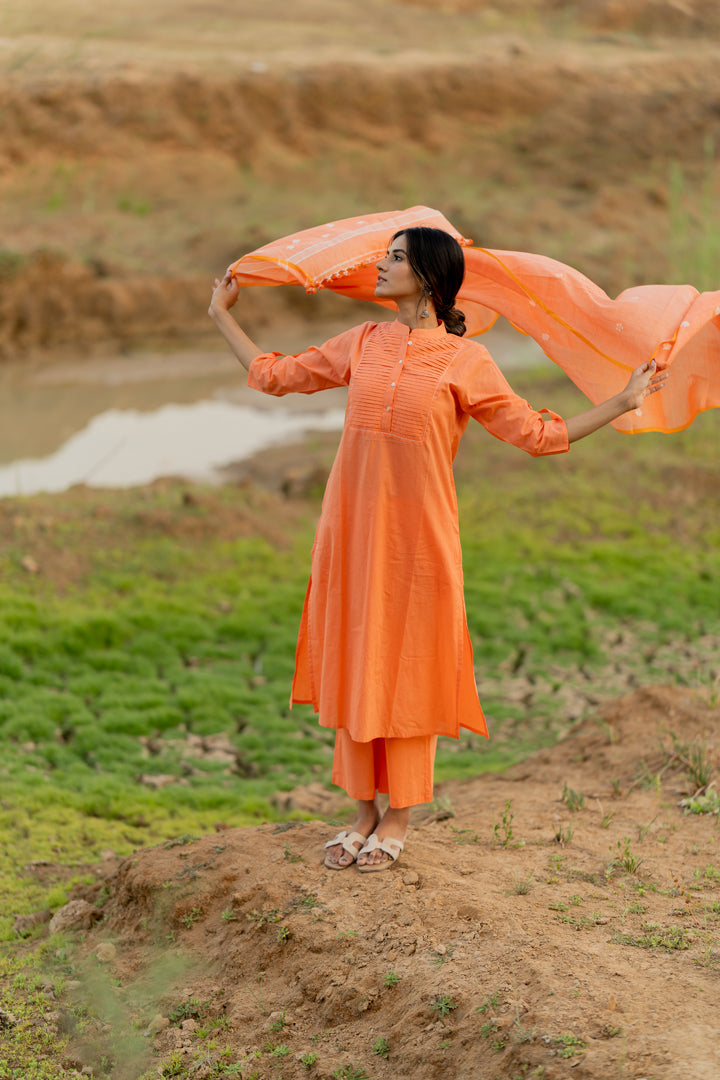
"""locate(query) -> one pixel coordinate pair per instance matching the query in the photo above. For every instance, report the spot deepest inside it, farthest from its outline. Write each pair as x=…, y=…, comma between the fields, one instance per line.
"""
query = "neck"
x=409, y=313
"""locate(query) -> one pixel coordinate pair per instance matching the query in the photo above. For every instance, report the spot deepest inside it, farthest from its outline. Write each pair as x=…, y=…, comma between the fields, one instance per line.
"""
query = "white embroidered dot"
x=684, y=323
x=638, y=412
x=619, y=327
x=533, y=304
x=546, y=337
x=717, y=310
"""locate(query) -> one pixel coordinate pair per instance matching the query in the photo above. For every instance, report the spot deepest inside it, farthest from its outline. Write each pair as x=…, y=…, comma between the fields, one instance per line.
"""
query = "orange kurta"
x=384, y=649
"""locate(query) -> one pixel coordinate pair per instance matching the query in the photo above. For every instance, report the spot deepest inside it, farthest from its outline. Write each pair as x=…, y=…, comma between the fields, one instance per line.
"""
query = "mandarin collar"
x=432, y=331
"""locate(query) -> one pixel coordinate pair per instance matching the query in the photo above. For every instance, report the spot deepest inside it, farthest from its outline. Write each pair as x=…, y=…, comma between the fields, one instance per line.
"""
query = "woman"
x=384, y=653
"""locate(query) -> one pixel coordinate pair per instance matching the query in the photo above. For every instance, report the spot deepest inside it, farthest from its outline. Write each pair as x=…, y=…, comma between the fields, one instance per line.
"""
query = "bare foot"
x=367, y=819
x=393, y=826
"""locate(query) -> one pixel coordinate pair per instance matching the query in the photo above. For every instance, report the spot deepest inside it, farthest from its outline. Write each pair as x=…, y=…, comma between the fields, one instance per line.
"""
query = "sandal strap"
x=348, y=841
x=388, y=845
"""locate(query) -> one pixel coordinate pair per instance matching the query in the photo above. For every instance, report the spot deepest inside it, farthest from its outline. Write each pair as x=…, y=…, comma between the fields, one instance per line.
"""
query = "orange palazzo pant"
x=400, y=768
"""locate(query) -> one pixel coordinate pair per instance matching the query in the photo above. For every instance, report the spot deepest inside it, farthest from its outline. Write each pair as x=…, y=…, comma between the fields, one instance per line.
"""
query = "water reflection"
x=121, y=449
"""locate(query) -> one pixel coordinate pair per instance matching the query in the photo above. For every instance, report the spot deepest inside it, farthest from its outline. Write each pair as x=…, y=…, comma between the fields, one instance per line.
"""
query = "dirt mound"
x=563, y=916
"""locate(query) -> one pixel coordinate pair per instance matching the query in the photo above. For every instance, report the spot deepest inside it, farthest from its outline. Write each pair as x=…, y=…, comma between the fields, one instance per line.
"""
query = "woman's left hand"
x=644, y=380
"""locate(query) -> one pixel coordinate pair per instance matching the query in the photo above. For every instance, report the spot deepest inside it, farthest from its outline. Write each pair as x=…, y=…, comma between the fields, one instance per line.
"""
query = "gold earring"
x=425, y=314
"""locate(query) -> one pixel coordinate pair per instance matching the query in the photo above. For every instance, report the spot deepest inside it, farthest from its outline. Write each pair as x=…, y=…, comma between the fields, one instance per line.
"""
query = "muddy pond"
x=119, y=421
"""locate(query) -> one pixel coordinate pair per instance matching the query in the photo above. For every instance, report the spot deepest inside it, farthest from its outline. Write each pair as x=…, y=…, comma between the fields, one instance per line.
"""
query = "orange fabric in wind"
x=595, y=339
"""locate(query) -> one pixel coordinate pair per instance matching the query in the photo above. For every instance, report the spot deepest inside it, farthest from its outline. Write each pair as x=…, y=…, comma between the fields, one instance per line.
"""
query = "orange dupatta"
x=597, y=341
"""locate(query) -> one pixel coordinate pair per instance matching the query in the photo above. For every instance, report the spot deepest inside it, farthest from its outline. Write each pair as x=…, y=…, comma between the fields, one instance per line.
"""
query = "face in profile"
x=396, y=280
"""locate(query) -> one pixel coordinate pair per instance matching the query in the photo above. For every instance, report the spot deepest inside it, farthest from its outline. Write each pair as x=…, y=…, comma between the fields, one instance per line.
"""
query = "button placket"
x=391, y=391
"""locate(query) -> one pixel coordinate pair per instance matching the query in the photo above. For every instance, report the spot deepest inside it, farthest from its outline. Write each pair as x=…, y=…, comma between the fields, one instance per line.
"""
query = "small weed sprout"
x=607, y=820
x=572, y=1044
x=278, y=1023
x=290, y=857
x=309, y=1059
x=562, y=835
x=257, y=999
x=191, y=917
x=522, y=885
x=283, y=934
x=186, y=1010
x=707, y=803
x=574, y=800
x=643, y=830
x=623, y=858
x=174, y=1067
x=381, y=1048
x=695, y=759
x=524, y=1035
x=442, y=954
x=491, y=1002
x=391, y=978
x=465, y=836
x=637, y=908
x=487, y=1029
x=443, y=1005
x=503, y=830
x=441, y=809
x=350, y=1072
x=259, y=918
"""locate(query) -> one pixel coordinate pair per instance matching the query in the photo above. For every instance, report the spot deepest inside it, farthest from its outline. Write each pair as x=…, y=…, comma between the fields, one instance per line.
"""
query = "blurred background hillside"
x=145, y=145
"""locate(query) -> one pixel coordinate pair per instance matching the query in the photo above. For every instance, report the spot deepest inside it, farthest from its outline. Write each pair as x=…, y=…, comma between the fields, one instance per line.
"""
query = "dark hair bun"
x=454, y=321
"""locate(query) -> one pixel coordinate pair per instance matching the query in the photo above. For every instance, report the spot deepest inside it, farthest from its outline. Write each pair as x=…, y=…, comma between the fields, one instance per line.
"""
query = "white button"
x=392, y=383
x=388, y=408
x=399, y=361
x=409, y=341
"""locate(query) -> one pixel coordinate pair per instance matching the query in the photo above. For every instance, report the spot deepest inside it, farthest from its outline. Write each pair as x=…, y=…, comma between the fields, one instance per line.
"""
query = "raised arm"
x=643, y=381
x=224, y=295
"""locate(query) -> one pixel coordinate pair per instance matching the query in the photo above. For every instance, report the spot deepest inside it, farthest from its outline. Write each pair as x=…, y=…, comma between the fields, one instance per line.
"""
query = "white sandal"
x=347, y=841
x=389, y=846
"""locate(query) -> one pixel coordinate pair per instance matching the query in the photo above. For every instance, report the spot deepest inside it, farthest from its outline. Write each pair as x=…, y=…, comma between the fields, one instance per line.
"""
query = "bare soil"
x=520, y=936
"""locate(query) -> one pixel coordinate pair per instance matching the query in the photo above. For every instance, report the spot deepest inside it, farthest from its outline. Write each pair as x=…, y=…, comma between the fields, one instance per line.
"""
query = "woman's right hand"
x=225, y=294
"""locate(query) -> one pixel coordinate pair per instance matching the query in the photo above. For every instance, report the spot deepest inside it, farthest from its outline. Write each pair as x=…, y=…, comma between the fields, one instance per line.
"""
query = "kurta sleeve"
x=320, y=368
x=484, y=393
